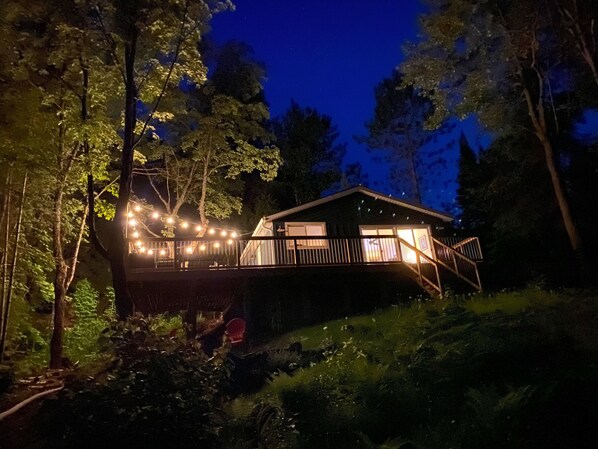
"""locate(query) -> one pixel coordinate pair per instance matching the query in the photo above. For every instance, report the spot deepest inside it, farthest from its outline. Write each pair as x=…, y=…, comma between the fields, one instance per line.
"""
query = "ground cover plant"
x=511, y=370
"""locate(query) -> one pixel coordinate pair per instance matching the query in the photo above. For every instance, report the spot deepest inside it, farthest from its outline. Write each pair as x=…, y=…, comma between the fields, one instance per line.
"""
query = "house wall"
x=344, y=216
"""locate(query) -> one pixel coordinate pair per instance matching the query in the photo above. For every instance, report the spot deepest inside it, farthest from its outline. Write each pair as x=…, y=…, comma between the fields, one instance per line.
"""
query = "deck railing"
x=212, y=253
x=468, y=246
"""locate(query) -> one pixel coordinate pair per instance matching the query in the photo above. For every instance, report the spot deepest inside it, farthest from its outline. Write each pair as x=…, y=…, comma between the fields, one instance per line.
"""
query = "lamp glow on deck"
x=202, y=247
x=155, y=215
x=217, y=245
x=211, y=231
x=223, y=233
x=132, y=222
x=189, y=250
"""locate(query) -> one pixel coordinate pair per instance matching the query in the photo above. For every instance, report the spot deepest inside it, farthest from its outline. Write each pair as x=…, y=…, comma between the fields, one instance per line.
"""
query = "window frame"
x=306, y=244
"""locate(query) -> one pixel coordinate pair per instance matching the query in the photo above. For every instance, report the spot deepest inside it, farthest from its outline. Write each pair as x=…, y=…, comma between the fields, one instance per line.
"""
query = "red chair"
x=236, y=330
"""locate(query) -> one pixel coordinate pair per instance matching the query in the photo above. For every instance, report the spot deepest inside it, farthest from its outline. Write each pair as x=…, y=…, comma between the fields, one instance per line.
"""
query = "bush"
x=159, y=392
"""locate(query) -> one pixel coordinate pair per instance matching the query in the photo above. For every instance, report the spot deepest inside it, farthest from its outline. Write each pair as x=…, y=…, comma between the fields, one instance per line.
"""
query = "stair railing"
x=423, y=280
x=457, y=263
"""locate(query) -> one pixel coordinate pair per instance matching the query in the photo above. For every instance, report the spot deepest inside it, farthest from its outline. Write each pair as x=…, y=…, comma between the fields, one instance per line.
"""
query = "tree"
x=487, y=58
x=397, y=128
x=220, y=135
x=311, y=156
x=154, y=44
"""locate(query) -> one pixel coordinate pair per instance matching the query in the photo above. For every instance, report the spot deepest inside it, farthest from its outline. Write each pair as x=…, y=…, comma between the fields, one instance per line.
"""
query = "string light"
x=216, y=244
x=135, y=234
x=150, y=251
x=202, y=247
x=142, y=250
x=230, y=241
x=138, y=243
x=162, y=252
x=172, y=220
x=189, y=250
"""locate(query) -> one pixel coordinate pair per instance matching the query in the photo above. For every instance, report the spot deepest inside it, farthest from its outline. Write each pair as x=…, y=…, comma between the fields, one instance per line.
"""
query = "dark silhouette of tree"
x=311, y=156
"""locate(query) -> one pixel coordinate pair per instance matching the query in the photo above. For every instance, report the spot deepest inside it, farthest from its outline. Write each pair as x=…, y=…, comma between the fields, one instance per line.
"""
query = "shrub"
x=160, y=392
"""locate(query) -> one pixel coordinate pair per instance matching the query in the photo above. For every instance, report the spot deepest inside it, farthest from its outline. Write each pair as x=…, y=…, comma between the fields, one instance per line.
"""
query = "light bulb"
x=189, y=250
x=217, y=245
x=135, y=234
x=155, y=215
x=130, y=214
x=162, y=252
x=150, y=251
x=142, y=250
x=170, y=220
x=230, y=241
x=132, y=222
x=223, y=233
x=234, y=234
x=137, y=208
x=138, y=243
x=211, y=231
x=202, y=247
x=198, y=228
x=184, y=225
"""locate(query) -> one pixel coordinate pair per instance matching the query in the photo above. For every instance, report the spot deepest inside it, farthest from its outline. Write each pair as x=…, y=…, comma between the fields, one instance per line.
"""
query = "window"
x=307, y=230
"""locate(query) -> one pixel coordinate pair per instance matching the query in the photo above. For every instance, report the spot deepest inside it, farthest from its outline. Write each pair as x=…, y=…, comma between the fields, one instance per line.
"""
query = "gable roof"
x=365, y=191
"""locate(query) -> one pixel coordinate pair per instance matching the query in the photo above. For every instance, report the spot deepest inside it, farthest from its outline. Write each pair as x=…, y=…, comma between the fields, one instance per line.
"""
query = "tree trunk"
x=118, y=246
x=57, y=341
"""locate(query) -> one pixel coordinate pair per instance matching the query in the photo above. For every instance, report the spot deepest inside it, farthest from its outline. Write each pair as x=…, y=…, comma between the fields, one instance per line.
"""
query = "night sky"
x=330, y=55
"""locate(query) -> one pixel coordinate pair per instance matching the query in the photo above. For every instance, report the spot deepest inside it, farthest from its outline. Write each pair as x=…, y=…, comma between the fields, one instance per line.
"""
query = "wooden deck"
x=178, y=259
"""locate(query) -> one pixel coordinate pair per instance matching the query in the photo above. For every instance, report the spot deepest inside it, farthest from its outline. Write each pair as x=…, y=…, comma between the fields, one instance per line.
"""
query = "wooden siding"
x=344, y=216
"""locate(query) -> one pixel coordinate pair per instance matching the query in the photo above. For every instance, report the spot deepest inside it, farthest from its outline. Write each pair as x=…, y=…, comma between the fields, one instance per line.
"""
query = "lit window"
x=307, y=230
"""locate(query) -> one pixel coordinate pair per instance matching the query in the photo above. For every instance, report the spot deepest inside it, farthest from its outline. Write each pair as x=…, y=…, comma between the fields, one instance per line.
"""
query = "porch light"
x=189, y=250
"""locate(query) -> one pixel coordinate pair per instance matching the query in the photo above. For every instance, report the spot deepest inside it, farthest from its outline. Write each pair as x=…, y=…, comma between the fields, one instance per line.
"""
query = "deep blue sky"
x=330, y=55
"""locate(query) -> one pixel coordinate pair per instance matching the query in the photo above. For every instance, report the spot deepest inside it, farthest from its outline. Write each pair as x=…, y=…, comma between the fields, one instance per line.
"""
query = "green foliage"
x=470, y=372
x=159, y=392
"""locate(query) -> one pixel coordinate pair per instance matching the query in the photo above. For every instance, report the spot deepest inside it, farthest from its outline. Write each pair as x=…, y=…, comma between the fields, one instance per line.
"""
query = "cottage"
x=311, y=261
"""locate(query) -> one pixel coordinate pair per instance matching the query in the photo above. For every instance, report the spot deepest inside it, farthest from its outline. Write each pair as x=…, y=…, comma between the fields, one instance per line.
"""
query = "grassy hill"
x=515, y=370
